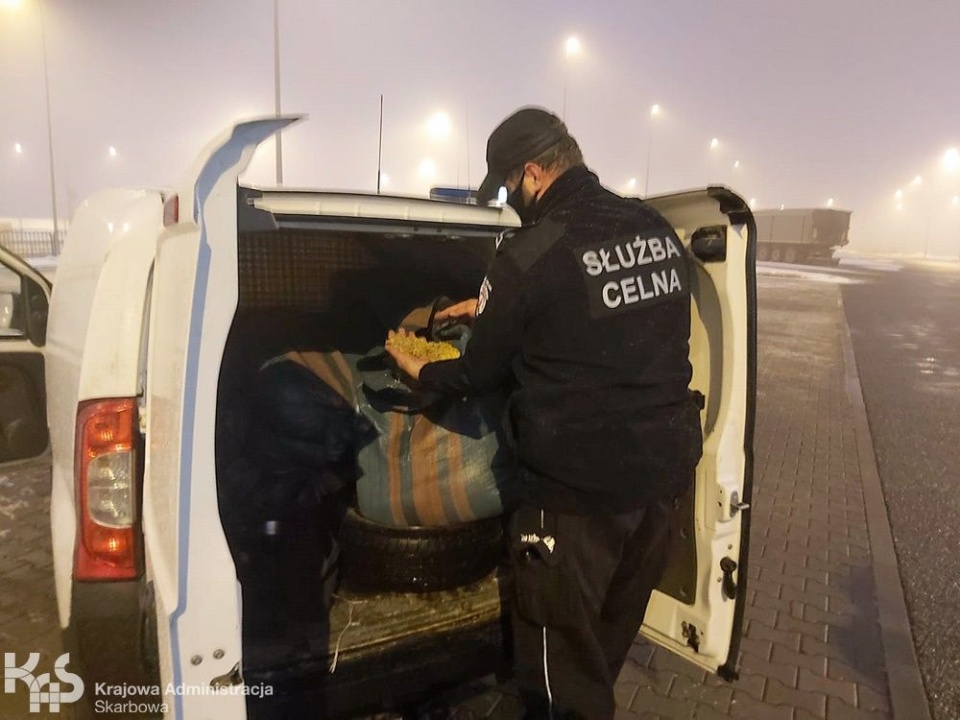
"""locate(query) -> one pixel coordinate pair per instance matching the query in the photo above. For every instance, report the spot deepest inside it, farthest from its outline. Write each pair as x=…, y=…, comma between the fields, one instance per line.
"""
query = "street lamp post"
x=949, y=163
x=571, y=48
x=654, y=111
x=439, y=130
x=276, y=85
x=711, y=155
x=54, y=238
x=54, y=244
x=916, y=183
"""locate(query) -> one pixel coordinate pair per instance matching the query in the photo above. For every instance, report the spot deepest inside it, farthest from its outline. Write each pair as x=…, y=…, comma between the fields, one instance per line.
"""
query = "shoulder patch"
x=484, y=296
x=528, y=245
x=633, y=271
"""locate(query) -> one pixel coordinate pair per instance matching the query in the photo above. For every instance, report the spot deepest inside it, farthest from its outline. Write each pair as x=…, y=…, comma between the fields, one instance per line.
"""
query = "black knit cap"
x=517, y=140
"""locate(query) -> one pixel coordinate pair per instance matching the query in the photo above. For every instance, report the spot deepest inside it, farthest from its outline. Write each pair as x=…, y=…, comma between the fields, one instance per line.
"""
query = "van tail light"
x=108, y=472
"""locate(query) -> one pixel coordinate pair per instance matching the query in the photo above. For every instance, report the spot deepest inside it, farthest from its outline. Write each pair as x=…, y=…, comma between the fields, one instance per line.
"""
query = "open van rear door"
x=697, y=612
x=24, y=304
x=193, y=299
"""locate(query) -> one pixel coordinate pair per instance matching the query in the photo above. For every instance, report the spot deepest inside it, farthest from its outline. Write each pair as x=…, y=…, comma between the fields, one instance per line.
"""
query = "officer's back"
x=602, y=406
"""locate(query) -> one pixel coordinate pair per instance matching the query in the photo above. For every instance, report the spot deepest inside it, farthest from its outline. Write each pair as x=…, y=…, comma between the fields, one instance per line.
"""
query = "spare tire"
x=417, y=559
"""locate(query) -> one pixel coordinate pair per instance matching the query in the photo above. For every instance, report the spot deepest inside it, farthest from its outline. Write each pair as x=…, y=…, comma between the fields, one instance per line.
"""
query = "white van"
x=164, y=306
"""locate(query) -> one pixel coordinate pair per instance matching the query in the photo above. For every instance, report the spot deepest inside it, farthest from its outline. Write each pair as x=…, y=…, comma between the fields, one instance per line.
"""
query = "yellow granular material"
x=424, y=349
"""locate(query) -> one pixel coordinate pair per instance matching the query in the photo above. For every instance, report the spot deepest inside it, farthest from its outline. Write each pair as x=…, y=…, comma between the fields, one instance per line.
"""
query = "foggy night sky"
x=842, y=99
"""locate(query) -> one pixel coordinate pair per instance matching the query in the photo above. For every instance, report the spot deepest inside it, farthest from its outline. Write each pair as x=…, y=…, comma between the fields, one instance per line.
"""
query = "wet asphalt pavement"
x=906, y=337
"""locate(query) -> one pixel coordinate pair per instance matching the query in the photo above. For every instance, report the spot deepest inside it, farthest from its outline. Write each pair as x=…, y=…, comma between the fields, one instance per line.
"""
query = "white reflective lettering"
x=605, y=259
x=644, y=293
x=656, y=249
x=609, y=299
x=642, y=258
x=626, y=263
x=672, y=250
x=675, y=281
x=592, y=262
x=660, y=283
x=628, y=286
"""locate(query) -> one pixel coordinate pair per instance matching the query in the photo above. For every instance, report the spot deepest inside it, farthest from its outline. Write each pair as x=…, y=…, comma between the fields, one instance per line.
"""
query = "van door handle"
x=728, y=566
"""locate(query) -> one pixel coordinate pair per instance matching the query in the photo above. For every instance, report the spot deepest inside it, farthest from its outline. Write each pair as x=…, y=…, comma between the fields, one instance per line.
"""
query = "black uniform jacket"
x=586, y=312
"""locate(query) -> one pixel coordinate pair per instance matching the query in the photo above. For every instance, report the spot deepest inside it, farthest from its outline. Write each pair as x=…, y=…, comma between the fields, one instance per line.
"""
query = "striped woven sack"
x=447, y=464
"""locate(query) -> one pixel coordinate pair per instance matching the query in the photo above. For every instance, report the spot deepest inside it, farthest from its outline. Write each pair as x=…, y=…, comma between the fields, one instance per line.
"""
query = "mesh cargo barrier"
x=297, y=269
x=445, y=464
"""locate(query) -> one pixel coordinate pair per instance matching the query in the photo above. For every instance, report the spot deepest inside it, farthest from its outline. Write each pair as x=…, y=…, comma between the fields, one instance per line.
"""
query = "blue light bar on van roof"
x=466, y=196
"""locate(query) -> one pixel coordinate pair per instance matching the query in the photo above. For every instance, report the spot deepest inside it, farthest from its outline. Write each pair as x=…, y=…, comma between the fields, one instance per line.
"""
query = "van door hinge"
x=231, y=679
x=142, y=417
x=692, y=635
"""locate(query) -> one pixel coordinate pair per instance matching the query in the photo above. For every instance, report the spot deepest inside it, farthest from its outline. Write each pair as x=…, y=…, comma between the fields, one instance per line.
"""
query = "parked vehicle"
x=24, y=296
x=165, y=305
x=799, y=235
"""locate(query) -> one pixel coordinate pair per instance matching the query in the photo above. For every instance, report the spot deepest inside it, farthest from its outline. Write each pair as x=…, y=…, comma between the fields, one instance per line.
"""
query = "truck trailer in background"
x=798, y=235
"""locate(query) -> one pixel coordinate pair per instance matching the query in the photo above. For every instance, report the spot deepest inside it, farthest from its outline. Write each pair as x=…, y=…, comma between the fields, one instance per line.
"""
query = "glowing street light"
x=571, y=49
x=830, y=202
x=439, y=126
x=654, y=112
x=898, y=194
x=951, y=160
x=18, y=148
x=714, y=144
x=428, y=169
x=782, y=206
x=112, y=151
x=736, y=164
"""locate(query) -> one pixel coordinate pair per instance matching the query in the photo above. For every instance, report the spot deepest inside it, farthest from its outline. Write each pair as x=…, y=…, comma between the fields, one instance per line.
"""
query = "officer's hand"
x=408, y=363
x=462, y=312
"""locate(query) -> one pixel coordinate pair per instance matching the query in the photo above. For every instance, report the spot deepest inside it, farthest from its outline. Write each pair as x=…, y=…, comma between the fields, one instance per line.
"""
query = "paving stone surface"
x=28, y=606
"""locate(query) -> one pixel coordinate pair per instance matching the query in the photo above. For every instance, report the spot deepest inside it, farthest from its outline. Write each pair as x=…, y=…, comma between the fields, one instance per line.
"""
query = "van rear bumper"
x=109, y=637
x=393, y=679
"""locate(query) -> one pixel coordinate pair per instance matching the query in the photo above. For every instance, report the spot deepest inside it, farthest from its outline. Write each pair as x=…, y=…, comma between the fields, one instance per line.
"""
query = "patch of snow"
x=801, y=272
x=871, y=263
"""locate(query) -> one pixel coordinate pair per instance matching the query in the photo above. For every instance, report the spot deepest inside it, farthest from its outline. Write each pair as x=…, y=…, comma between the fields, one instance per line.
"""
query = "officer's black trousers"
x=578, y=607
